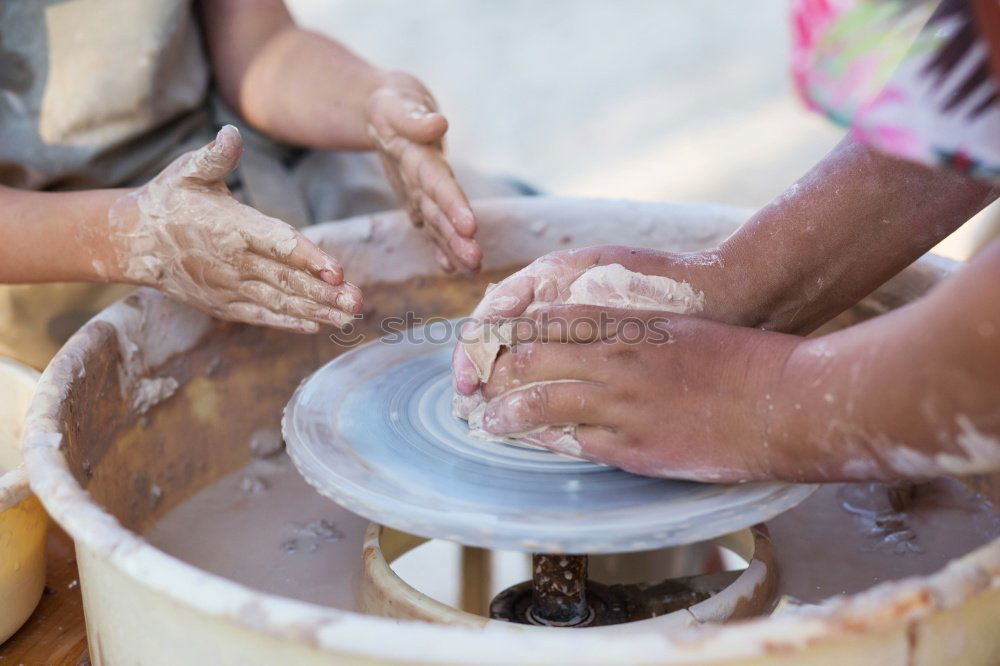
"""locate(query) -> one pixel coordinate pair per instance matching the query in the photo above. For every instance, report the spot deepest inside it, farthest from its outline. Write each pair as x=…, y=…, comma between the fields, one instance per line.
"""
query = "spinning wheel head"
x=373, y=430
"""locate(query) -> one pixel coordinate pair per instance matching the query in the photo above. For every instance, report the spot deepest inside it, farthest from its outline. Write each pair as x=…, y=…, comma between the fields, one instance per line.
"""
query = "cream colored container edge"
x=145, y=607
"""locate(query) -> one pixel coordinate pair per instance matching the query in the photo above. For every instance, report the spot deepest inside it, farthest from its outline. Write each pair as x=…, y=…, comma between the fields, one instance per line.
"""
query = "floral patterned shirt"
x=911, y=78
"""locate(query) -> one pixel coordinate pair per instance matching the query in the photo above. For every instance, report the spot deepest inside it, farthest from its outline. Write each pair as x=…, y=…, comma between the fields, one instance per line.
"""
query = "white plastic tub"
x=105, y=472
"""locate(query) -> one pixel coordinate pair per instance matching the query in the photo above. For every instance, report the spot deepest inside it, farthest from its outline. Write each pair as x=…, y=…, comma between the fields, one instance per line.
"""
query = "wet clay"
x=612, y=286
x=265, y=527
x=847, y=537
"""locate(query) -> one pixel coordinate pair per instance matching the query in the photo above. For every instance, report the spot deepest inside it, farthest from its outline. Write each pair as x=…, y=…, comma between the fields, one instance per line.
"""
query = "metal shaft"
x=559, y=589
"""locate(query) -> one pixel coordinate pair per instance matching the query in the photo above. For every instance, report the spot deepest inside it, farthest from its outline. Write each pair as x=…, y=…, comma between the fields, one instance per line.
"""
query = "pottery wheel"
x=373, y=430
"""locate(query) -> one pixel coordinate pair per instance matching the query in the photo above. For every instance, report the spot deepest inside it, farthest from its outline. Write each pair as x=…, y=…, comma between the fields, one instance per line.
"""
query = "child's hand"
x=185, y=234
x=408, y=132
x=674, y=396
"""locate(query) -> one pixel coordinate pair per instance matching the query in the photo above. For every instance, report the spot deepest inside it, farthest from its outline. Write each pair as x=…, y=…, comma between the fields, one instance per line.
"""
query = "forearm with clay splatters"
x=185, y=234
x=57, y=236
x=911, y=394
x=852, y=222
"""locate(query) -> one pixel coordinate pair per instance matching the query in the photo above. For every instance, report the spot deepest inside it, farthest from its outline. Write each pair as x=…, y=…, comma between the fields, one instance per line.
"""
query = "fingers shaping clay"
x=612, y=286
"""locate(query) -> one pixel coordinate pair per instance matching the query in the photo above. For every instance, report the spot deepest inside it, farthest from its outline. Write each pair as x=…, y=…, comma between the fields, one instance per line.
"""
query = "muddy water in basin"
x=262, y=525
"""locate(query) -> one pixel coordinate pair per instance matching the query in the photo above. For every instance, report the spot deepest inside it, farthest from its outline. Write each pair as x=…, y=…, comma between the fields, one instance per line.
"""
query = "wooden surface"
x=55, y=634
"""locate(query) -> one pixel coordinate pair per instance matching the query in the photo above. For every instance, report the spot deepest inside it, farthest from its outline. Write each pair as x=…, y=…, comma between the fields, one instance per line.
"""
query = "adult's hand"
x=547, y=281
x=655, y=393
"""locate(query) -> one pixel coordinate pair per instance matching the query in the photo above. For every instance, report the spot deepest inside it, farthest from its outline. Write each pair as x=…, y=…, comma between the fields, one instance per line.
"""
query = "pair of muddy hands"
x=585, y=352
x=184, y=233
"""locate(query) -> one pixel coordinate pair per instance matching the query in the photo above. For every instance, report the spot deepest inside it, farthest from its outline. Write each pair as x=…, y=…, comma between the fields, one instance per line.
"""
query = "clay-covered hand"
x=672, y=396
x=184, y=233
x=408, y=133
x=547, y=280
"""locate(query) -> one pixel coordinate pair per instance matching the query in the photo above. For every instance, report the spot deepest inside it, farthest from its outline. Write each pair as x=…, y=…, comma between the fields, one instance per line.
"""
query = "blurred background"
x=644, y=99
x=678, y=100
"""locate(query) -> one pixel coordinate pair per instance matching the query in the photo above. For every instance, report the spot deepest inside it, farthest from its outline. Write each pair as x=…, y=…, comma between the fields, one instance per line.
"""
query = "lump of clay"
x=266, y=442
x=612, y=286
x=615, y=286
